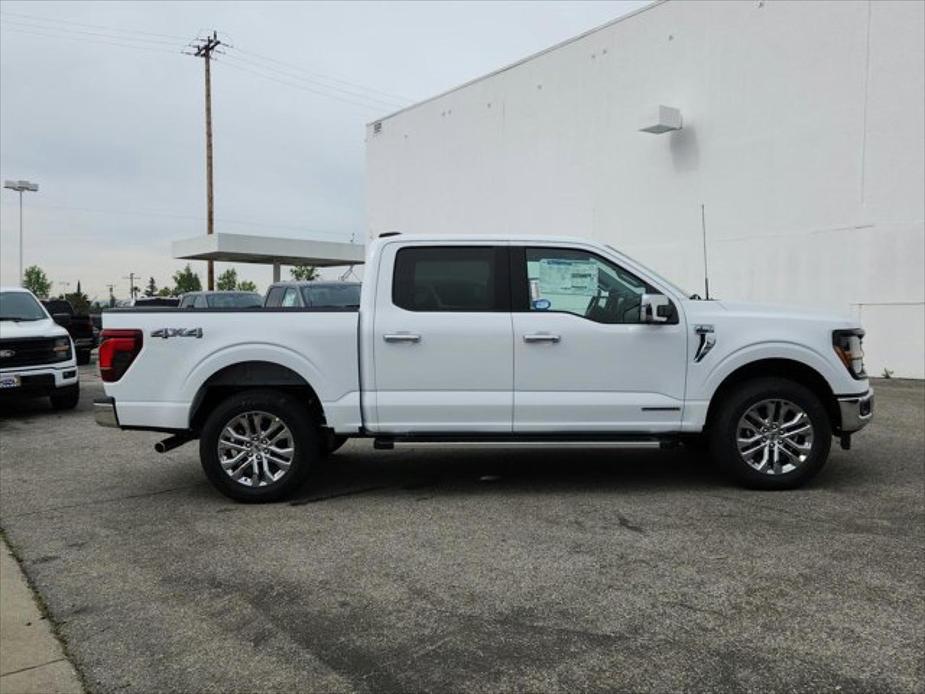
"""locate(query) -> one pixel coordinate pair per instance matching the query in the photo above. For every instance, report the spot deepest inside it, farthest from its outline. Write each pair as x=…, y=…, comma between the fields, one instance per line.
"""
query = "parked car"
x=313, y=294
x=80, y=327
x=36, y=354
x=165, y=301
x=498, y=340
x=221, y=300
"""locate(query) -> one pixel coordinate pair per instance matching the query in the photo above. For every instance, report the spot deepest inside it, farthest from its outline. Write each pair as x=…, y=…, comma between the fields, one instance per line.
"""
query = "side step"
x=587, y=441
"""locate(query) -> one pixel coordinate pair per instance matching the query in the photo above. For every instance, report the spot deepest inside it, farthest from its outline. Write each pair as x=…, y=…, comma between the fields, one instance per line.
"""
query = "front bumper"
x=40, y=380
x=104, y=411
x=857, y=411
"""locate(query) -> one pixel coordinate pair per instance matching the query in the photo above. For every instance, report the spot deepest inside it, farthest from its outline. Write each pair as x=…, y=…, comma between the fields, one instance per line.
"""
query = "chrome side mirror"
x=654, y=308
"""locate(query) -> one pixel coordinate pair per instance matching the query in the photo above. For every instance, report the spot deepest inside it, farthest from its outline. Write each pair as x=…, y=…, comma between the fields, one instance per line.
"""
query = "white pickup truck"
x=494, y=340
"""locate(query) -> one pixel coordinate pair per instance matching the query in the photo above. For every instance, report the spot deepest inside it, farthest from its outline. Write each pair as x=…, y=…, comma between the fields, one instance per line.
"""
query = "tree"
x=79, y=300
x=247, y=286
x=35, y=280
x=186, y=280
x=228, y=280
x=151, y=289
x=165, y=291
x=304, y=273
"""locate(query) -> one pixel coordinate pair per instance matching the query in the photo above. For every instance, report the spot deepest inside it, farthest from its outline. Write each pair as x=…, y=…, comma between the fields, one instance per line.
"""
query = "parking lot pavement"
x=447, y=569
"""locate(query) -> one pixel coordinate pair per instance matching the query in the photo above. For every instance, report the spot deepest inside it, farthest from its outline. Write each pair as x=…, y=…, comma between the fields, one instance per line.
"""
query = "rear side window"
x=446, y=278
x=332, y=295
x=291, y=297
x=275, y=297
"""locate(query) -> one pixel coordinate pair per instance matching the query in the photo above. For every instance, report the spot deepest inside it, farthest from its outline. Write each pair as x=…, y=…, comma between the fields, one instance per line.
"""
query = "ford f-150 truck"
x=36, y=354
x=494, y=340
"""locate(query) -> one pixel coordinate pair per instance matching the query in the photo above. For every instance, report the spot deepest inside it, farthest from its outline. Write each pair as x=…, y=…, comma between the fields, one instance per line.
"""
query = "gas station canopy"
x=268, y=250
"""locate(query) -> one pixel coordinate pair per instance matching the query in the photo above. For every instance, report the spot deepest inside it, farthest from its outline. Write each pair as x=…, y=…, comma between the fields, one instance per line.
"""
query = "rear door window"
x=448, y=278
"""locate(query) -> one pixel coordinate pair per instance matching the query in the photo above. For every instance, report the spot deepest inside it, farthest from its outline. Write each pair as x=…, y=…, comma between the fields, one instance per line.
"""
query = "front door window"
x=584, y=284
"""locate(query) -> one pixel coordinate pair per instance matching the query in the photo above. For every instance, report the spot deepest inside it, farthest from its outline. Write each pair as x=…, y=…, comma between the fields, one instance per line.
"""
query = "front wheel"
x=771, y=433
x=258, y=445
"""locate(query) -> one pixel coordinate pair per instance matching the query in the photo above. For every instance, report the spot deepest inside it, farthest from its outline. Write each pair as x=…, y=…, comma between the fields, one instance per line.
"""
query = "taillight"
x=118, y=349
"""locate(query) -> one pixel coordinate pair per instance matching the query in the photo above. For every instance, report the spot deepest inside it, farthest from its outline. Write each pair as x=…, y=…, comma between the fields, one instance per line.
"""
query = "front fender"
x=759, y=351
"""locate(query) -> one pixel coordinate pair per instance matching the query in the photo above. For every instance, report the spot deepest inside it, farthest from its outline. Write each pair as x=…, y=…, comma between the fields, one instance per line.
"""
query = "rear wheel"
x=258, y=445
x=771, y=433
x=66, y=398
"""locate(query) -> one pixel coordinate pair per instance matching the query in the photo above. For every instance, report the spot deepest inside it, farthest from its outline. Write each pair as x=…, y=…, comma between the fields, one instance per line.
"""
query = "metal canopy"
x=268, y=250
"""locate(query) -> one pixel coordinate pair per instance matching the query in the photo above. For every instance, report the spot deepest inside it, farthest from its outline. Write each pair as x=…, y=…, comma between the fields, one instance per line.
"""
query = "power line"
x=288, y=77
x=379, y=101
x=316, y=88
x=118, y=30
x=4, y=27
x=366, y=105
x=120, y=37
x=318, y=75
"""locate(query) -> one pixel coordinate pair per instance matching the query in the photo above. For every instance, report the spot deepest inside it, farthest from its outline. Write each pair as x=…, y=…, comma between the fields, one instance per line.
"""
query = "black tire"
x=83, y=357
x=65, y=398
x=292, y=413
x=736, y=402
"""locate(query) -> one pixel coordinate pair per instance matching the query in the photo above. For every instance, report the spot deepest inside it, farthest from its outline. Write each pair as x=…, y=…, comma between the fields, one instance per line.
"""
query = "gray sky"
x=114, y=134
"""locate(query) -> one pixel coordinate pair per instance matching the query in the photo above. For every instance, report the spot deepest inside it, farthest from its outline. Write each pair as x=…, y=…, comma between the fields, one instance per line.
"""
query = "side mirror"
x=62, y=319
x=654, y=308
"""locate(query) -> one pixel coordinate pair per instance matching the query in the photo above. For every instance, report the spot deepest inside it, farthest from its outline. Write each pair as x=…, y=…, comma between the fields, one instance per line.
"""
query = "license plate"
x=9, y=382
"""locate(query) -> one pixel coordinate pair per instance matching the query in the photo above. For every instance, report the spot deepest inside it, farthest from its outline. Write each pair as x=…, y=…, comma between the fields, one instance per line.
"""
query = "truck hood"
x=744, y=309
x=12, y=330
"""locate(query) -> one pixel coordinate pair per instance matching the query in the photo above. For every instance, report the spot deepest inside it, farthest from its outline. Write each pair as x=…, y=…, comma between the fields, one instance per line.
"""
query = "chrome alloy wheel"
x=775, y=436
x=256, y=449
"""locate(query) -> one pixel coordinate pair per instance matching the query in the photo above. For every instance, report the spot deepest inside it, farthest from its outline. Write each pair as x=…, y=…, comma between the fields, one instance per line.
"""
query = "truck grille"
x=30, y=352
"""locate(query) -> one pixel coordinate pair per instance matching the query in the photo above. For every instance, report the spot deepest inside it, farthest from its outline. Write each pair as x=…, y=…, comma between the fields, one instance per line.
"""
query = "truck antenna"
x=706, y=275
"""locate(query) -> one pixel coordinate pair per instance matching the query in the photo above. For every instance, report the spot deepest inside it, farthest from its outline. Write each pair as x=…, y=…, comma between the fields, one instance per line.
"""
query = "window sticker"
x=561, y=276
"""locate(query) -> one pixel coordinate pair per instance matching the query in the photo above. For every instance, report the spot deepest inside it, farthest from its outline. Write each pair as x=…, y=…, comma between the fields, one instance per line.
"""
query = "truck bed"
x=318, y=344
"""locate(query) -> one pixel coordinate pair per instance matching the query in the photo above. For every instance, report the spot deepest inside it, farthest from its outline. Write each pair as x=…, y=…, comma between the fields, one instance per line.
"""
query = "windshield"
x=334, y=295
x=20, y=306
x=679, y=290
x=245, y=300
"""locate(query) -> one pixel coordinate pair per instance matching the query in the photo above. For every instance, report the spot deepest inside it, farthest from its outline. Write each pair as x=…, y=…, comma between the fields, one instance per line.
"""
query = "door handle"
x=541, y=337
x=401, y=337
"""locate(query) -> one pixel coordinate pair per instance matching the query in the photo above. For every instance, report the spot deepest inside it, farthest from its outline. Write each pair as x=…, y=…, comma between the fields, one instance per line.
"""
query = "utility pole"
x=112, y=297
x=131, y=284
x=203, y=48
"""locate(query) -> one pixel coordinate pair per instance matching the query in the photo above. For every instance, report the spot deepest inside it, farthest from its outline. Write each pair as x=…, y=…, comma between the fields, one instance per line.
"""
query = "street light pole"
x=20, y=187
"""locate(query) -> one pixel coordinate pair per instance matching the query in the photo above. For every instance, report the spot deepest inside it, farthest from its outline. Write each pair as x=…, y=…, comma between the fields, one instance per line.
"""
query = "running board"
x=389, y=442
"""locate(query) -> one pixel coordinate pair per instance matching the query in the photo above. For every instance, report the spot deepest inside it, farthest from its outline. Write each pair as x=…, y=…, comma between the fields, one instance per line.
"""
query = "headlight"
x=62, y=348
x=847, y=344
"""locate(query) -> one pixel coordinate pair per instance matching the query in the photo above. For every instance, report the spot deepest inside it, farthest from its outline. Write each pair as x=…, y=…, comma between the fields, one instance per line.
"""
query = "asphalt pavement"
x=443, y=569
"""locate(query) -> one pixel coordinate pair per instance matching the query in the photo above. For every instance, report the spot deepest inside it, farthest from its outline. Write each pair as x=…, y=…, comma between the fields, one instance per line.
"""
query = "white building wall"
x=804, y=136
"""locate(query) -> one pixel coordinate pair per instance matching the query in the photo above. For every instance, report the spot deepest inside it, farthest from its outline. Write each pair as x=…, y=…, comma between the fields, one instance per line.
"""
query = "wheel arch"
x=245, y=375
x=791, y=369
